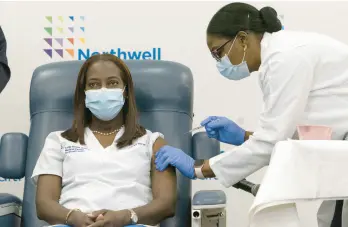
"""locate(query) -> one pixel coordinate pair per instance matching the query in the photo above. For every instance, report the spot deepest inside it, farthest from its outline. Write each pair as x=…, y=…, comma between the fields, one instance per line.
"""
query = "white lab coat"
x=304, y=80
x=95, y=178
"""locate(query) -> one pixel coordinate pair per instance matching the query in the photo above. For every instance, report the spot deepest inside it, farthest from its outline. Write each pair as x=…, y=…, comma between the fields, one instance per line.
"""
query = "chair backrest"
x=164, y=96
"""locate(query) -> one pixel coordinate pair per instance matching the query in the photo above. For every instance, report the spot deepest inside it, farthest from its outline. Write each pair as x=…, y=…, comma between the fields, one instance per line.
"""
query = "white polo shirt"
x=94, y=177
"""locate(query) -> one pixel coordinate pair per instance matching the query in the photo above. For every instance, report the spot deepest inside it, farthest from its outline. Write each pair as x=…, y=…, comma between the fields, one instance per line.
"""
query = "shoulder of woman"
x=56, y=136
x=154, y=139
x=154, y=135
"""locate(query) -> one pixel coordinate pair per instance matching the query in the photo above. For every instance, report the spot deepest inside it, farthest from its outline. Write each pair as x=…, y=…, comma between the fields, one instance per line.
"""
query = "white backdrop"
x=176, y=30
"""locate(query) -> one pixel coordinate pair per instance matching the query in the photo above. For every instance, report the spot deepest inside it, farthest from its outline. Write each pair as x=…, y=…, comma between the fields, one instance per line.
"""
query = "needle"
x=194, y=129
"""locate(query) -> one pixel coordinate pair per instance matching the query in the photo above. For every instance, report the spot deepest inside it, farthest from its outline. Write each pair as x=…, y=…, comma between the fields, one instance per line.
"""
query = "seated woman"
x=101, y=171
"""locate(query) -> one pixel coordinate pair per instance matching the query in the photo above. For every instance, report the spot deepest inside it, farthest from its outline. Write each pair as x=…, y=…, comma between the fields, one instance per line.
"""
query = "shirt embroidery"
x=72, y=148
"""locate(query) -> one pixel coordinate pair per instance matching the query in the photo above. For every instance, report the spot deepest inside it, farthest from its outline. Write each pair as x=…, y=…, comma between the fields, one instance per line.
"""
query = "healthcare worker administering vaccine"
x=304, y=80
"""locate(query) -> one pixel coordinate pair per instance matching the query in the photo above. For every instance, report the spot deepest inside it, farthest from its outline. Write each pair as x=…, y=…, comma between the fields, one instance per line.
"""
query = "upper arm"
x=289, y=81
x=5, y=72
x=4, y=76
x=3, y=47
x=48, y=188
x=47, y=174
x=163, y=183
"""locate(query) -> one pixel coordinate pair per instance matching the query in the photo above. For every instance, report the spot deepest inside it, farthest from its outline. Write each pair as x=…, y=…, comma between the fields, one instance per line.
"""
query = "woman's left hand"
x=108, y=218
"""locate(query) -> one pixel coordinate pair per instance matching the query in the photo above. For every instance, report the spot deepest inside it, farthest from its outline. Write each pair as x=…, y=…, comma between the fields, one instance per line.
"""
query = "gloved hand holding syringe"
x=222, y=129
x=198, y=127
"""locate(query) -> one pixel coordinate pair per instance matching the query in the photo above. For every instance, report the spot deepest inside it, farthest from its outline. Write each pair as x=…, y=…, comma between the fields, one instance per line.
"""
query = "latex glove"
x=224, y=130
x=168, y=155
x=135, y=226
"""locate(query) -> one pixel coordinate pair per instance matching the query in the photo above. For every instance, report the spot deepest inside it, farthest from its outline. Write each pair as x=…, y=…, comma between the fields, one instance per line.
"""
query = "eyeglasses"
x=215, y=53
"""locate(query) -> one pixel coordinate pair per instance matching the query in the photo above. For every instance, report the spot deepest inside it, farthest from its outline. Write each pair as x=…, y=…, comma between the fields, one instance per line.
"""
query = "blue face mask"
x=105, y=103
x=230, y=71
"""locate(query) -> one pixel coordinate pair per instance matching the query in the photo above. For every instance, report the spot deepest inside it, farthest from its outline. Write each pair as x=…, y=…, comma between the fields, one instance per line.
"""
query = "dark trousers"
x=337, y=219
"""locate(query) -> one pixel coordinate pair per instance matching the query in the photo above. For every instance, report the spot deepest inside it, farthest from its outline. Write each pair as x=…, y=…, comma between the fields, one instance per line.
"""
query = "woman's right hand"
x=224, y=130
x=79, y=219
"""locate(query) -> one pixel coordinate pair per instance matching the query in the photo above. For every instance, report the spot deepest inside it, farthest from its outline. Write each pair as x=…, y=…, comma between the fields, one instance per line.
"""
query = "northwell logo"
x=62, y=33
x=66, y=35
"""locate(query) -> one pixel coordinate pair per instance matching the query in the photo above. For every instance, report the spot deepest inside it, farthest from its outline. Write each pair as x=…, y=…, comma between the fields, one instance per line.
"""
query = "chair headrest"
x=159, y=85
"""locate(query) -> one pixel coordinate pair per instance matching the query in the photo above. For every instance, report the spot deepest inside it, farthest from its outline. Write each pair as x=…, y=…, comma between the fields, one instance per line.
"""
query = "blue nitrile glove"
x=224, y=130
x=58, y=225
x=135, y=226
x=168, y=155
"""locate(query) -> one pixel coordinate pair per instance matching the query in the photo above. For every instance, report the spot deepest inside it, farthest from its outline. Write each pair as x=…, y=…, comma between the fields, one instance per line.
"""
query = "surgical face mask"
x=105, y=103
x=230, y=71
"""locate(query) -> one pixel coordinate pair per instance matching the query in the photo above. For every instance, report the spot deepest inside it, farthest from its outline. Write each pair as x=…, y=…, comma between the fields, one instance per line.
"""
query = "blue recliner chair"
x=164, y=96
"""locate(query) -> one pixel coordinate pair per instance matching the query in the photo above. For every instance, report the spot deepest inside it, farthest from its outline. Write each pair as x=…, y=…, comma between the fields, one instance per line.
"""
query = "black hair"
x=236, y=17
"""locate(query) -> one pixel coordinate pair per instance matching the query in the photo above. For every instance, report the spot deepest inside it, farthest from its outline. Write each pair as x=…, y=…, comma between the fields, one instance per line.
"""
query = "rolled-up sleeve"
x=51, y=158
x=151, y=139
x=289, y=82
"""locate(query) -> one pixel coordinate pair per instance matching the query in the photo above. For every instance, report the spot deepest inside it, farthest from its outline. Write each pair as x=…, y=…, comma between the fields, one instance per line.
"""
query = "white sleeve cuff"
x=233, y=166
x=216, y=168
x=152, y=137
x=51, y=158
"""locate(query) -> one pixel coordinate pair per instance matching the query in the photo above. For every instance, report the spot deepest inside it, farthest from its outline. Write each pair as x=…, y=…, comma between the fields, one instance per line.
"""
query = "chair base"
x=10, y=220
x=208, y=209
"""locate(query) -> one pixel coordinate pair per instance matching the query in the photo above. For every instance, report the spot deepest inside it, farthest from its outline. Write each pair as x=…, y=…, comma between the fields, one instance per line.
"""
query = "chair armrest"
x=13, y=154
x=10, y=204
x=204, y=147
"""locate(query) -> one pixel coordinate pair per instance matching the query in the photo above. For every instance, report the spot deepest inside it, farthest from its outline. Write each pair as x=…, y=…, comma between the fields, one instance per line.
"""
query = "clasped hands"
x=101, y=218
